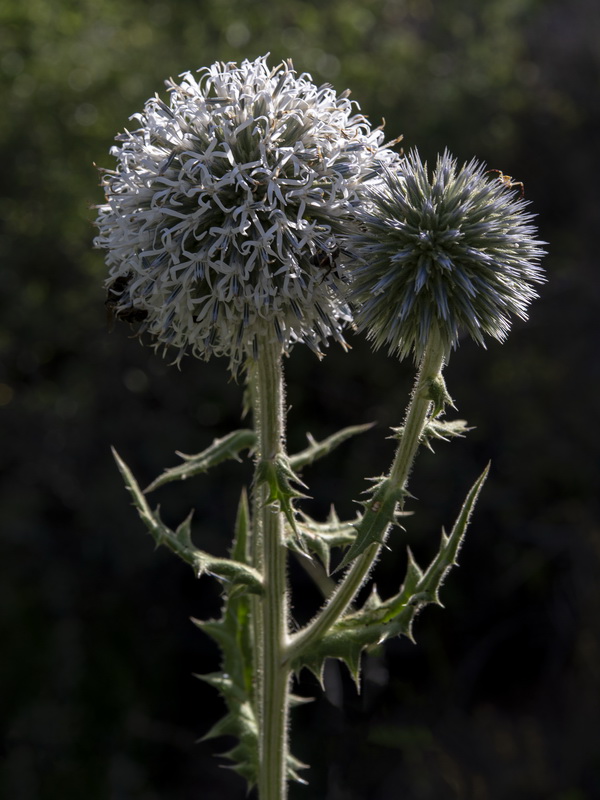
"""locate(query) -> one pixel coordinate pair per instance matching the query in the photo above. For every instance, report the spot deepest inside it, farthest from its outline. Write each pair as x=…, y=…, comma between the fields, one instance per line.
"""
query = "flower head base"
x=456, y=251
x=221, y=219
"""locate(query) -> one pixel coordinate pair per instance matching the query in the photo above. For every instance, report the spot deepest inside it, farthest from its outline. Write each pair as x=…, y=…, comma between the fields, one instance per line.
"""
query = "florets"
x=222, y=216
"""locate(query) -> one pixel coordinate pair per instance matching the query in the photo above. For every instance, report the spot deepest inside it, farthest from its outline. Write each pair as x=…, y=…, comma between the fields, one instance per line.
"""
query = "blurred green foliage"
x=502, y=695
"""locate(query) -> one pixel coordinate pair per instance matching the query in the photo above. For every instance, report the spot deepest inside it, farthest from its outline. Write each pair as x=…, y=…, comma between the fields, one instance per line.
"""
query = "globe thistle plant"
x=221, y=218
x=455, y=251
x=252, y=212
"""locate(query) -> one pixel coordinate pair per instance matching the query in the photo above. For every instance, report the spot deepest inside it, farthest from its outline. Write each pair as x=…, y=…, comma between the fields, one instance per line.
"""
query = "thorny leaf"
x=220, y=450
x=379, y=620
x=180, y=541
x=317, y=450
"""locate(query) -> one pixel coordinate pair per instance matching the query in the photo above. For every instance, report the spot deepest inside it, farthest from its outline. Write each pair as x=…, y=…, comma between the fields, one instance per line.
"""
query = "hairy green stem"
x=272, y=675
x=416, y=417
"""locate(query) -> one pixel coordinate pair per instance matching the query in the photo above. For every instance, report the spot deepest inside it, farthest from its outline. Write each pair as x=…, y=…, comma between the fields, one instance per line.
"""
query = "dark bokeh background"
x=501, y=696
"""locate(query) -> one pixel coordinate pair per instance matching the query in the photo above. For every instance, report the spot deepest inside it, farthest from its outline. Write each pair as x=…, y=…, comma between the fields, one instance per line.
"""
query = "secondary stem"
x=270, y=553
x=416, y=418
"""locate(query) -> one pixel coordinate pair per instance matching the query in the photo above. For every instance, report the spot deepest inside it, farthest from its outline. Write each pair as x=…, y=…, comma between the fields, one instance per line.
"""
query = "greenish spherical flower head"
x=222, y=217
x=455, y=251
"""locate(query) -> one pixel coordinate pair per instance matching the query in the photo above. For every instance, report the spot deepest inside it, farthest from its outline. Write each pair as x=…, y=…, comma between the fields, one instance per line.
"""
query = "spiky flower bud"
x=221, y=218
x=456, y=251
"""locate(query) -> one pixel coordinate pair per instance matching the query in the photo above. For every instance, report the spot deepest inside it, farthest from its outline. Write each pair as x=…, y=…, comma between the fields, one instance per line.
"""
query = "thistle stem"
x=272, y=675
x=416, y=418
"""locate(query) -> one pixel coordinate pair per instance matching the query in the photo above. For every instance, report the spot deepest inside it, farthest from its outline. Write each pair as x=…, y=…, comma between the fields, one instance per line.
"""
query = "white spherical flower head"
x=456, y=251
x=222, y=218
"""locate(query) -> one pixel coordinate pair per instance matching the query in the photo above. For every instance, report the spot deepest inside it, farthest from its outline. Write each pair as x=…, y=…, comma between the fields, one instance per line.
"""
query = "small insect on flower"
x=508, y=181
x=116, y=296
x=327, y=260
